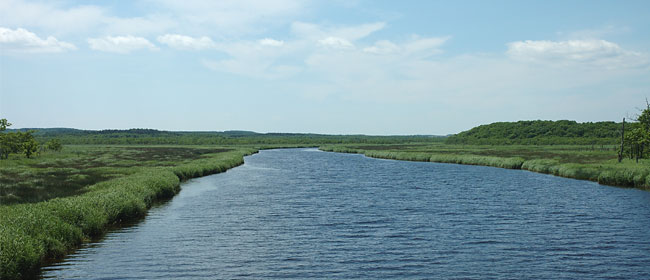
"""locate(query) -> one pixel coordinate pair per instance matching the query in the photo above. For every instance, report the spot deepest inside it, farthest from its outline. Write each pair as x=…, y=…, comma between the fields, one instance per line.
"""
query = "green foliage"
x=29, y=146
x=16, y=142
x=539, y=133
x=638, y=139
x=9, y=143
x=4, y=124
x=625, y=177
x=54, y=145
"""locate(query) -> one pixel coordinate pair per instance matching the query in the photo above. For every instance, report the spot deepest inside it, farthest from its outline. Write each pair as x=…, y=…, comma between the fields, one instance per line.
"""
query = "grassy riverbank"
x=586, y=162
x=125, y=188
x=52, y=203
x=70, y=171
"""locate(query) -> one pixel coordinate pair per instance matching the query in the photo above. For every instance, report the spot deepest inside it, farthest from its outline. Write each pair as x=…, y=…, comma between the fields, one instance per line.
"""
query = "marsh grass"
x=67, y=173
x=586, y=162
x=33, y=232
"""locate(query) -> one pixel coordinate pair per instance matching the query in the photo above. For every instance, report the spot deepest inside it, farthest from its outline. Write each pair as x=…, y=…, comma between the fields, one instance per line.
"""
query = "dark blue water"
x=302, y=213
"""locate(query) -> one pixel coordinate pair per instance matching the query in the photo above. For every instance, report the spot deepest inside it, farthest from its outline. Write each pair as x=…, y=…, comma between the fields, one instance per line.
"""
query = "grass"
x=67, y=173
x=586, y=162
x=33, y=232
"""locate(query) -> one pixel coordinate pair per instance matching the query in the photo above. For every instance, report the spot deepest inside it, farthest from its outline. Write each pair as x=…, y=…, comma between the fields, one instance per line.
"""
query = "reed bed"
x=33, y=233
x=576, y=162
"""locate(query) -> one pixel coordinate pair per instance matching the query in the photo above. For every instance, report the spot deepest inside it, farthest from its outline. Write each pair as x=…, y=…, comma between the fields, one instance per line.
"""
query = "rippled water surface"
x=302, y=213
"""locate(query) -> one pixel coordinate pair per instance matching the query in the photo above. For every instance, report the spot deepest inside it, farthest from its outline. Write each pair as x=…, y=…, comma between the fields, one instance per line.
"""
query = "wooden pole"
x=620, y=154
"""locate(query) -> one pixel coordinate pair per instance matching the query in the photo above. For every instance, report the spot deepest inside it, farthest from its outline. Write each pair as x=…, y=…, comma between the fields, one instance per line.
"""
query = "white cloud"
x=269, y=58
x=349, y=33
x=271, y=42
x=587, y=52
x=353, y=33
x=382, y=47
x=259, y=59
x=417, y=46
x=186, y=42
x=425, y=44
x=120, y=44
x=387, y=73
x=300, y=53
x=336, y=43
x=21, y=40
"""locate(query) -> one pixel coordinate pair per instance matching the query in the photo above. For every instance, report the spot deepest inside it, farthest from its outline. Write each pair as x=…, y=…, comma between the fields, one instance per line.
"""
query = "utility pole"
x=620, y=154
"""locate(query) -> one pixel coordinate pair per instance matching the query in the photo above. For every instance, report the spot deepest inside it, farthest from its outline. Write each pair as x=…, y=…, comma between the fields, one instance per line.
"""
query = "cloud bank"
x=22, y=41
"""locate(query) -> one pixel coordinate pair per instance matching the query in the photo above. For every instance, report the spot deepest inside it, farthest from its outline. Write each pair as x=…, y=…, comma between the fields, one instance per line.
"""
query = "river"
x=307, y=214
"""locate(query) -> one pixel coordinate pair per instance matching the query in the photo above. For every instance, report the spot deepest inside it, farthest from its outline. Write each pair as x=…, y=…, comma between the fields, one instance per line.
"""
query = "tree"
x=16, y=142
x=5, y=143
x=636, y=144
x=54, y=145
x=620, y=153
x=30, y=147
x=638, y=139
x=4, y=124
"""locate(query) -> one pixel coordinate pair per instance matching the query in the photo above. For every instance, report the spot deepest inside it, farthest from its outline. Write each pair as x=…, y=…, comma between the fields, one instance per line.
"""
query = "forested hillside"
x=541, y=132
x=152, y=136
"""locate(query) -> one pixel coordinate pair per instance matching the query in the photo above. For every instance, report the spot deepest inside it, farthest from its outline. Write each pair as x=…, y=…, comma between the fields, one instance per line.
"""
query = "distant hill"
x=50, y=131
x=540, y=132
x=153, y=136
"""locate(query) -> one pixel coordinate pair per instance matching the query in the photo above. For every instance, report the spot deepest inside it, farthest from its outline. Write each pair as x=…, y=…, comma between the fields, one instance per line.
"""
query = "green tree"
x=5, y=141
x=29, y=147
x=638, y=139
x=16, y=142
x=54, y=145
x=635, y=143
x=4, y=124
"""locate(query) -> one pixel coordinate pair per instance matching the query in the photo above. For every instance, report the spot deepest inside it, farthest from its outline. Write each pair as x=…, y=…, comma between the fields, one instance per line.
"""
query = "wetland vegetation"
x=587, y=162
x=75, y=183
x=95, y=187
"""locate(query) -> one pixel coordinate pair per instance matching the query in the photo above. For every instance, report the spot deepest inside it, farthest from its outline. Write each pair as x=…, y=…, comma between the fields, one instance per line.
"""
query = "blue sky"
x=336, y=67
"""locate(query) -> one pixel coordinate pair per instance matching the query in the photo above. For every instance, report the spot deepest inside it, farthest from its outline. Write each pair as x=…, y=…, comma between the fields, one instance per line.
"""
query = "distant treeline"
x=541, y=133
x=152, y=136
x=501, y=133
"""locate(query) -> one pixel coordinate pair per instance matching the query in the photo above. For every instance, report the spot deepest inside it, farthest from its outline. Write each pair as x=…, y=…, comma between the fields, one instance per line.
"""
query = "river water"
x=307, y=214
